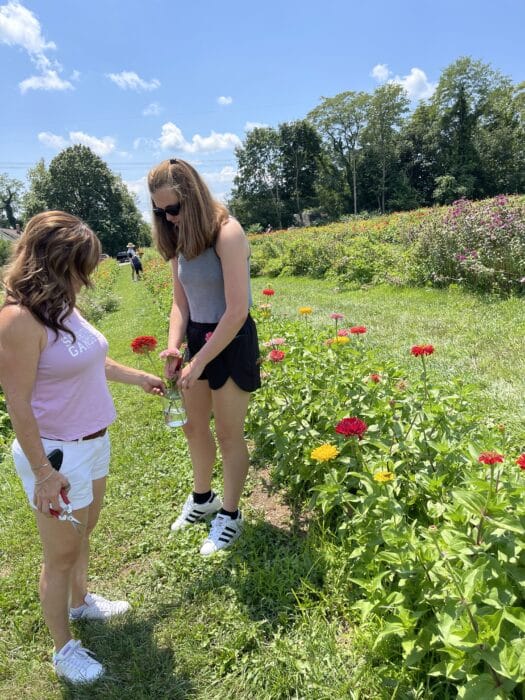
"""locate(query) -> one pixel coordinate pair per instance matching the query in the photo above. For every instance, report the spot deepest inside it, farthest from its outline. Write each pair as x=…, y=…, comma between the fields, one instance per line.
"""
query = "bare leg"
x=80, y=569
x=230, y=405
x=197, y=430
x=61, y=544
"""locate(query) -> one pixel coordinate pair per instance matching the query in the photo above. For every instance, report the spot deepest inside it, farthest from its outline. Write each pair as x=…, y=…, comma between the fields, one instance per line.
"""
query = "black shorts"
x=238, y=360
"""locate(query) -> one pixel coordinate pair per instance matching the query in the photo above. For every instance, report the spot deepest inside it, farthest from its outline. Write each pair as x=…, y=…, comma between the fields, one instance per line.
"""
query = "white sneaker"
x=194, y=512
x=223, y=533
x=98, y=608
x=76, y=664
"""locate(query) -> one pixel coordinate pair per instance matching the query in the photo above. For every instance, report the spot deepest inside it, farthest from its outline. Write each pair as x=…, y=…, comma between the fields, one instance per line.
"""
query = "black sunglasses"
x=171, y=209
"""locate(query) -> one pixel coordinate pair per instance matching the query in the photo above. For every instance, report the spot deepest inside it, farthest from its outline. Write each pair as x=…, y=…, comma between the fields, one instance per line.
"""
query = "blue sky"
x=143, y=80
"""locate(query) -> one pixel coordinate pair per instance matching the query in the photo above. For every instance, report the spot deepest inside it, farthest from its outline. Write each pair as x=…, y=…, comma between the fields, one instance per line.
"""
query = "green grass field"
x=272, y=618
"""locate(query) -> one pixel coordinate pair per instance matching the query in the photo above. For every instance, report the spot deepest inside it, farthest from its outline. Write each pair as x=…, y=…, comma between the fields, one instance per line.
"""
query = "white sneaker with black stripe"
x=223, y=533
x=194, y=512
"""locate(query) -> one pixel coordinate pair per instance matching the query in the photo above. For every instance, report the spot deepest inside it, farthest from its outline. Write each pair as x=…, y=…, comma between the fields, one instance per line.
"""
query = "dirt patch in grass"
x=268, y=500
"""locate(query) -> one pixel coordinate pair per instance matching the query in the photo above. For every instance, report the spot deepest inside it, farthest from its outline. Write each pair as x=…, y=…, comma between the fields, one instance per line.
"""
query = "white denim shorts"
x=84, y=462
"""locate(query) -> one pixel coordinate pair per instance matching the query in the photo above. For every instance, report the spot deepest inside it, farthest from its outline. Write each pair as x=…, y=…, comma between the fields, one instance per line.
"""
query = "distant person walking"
x=136, y=267
x=210, y=261
x=54, y=371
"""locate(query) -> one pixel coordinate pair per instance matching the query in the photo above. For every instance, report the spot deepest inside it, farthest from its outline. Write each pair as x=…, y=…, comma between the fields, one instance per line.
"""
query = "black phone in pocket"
x=55, y=458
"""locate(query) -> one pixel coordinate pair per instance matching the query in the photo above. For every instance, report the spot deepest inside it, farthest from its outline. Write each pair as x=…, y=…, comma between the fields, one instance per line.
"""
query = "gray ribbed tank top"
x=203, y=283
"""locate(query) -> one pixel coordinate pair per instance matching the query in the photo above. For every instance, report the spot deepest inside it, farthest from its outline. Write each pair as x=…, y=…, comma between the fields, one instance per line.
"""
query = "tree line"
x=80, y=182
x=367, y=152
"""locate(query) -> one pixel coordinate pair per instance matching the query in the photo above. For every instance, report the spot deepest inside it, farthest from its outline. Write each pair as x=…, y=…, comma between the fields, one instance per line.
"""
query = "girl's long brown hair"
x=200, y=218
x=56, y=252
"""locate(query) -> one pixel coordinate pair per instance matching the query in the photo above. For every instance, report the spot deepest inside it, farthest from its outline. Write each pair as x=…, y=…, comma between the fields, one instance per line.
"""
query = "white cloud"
x=417, y=85
x=226, y=174
x=380, y=72
x=222, y=100
x=75, y=75
x=48, y=80
x=128, y=80
x=52, y=140
x=102, y=147
x=20, y=27
x=173, y=138
x=152, y=110
x=255, y=125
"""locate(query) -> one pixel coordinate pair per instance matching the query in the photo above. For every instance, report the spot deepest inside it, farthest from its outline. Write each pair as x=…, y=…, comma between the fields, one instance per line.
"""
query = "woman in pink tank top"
x=54, y=370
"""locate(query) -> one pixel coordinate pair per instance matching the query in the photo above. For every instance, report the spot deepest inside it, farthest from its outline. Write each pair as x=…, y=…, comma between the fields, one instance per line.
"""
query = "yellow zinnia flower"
x=383, y=477
x=341, y=340
x=305, y=310
x=324, y=453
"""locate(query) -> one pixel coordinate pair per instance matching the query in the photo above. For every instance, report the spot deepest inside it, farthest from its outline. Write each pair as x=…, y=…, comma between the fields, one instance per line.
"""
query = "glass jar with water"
x=174, y=411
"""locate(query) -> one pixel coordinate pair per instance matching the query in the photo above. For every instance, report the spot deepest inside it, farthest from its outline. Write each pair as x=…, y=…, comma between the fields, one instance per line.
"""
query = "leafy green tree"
x=500, y=142
x=258, y=187
x=300, y=148
x=418, y=153
x=80, y=182
x=462, y=102
x=382, y=139
x=34, y=200
x=340, y=120
x=10, y=198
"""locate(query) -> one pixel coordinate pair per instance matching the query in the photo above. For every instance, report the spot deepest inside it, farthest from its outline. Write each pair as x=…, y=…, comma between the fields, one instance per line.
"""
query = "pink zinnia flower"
x=276, y=355
x=336, y=316
x=418, y=350
x=274, y=342
x=490, y=458
x=343, y=332
x=351, y=426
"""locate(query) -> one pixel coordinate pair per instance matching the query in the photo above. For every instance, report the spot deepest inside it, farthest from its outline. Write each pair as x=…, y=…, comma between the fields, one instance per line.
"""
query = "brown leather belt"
x=98, y=434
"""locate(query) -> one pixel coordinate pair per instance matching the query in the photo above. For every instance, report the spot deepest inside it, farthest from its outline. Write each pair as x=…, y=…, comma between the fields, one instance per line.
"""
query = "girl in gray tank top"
x=209, y=255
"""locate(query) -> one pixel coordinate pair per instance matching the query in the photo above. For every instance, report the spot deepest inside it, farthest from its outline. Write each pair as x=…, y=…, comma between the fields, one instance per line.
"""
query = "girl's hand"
x=173, y=360
x=190, y=373
x=46, y=494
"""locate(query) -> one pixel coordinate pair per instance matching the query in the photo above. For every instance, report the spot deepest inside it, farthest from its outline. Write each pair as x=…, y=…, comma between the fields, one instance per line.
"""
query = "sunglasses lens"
x=172, y=210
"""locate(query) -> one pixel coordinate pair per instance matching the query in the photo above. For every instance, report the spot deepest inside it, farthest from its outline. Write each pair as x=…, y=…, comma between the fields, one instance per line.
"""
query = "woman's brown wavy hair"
x=200, y=218
x=55, y=253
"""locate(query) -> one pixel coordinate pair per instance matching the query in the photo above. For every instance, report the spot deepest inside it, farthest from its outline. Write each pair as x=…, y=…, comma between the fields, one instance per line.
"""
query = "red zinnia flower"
x=521, y=461
x=276, y=355
x=143, y=344
x=418, y=350
x=268, y=292
x=358, y=329
x=490, y=458
x=376, y=378
x=351, y=426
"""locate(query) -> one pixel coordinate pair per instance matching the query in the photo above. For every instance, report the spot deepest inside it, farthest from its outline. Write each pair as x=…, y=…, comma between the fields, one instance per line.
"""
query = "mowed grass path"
x=272, y=618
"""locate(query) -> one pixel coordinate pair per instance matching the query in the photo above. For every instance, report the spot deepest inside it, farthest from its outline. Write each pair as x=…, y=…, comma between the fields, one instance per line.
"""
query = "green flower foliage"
x=437, y=548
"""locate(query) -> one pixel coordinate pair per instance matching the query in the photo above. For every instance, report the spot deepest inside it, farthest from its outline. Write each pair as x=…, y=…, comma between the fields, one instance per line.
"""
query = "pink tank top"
x=70, y=397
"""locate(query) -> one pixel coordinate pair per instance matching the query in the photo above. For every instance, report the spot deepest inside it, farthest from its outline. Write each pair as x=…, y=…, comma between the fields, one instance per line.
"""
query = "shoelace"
x=217, y=525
